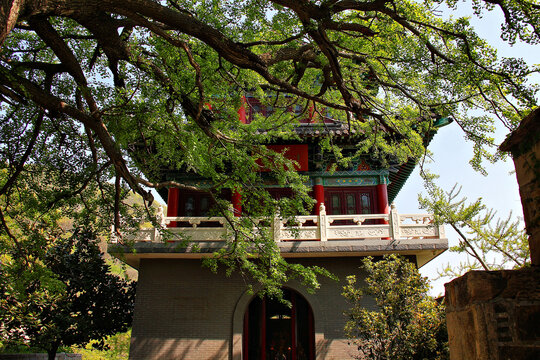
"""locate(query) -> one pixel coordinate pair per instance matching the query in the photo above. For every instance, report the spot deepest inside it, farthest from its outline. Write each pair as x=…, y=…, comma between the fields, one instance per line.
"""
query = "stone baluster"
x=440, y=232
x=161, y=216
x=395, y=232
x=322, y=223
x=163, y=224
x=114, y=237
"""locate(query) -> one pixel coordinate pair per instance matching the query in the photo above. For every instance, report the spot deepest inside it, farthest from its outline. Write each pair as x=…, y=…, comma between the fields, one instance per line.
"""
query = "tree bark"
x=9, y=14
x=51, y=353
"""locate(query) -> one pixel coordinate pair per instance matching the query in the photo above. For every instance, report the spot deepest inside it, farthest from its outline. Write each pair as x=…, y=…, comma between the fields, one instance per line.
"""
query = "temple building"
x=184, y=311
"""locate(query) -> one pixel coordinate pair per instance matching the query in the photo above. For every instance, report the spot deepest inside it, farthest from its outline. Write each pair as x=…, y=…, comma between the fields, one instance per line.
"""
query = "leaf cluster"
x=490, y=243
x=405, y=324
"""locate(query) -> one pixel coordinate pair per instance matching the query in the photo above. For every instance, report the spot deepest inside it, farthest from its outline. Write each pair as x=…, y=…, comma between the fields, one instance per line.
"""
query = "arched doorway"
x=275, y=331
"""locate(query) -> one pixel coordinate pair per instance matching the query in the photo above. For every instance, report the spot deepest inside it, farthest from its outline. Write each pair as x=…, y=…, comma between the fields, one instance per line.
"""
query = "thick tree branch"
x=469, y=246
x=52, y=103
x=9, y=14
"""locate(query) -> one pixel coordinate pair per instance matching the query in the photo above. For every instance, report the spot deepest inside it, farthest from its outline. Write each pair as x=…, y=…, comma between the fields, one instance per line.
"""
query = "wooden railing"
x=320, y=227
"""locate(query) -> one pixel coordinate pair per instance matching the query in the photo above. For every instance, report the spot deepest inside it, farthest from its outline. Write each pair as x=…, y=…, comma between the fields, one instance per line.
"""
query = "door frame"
x=294, y=327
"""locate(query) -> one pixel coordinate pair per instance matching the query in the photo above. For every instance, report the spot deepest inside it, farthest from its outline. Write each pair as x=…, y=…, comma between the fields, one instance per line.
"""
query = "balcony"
x=309, y=236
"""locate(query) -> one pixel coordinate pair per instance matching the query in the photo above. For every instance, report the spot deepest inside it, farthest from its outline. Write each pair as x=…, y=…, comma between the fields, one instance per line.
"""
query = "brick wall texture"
x=184, y=311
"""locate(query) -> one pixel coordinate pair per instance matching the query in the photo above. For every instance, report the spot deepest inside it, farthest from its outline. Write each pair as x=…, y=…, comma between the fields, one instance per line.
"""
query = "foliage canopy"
x=108, y=89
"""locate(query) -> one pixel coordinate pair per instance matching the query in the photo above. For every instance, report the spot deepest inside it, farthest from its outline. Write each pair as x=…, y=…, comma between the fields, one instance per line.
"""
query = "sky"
x=451, y=154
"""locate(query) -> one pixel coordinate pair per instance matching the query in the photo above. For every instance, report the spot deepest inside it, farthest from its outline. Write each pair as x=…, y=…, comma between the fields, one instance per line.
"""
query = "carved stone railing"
x=320, y=227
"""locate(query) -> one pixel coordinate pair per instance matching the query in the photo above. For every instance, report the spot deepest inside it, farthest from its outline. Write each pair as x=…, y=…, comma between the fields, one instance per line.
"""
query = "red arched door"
x=273, y=330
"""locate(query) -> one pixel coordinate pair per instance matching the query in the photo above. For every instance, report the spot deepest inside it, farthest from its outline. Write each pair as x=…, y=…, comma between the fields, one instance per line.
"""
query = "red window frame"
x=345, y=194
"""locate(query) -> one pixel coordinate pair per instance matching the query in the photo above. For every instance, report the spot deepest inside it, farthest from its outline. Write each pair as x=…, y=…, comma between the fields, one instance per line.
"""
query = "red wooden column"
x=236, y=197
x=242, y=111
x=318, y=190
x=172, y=204
x=311, y=113
x=382, y=200
x=237, y=203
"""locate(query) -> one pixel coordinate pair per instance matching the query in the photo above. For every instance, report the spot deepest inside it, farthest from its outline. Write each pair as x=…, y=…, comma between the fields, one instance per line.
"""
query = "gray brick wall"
x=184, y=311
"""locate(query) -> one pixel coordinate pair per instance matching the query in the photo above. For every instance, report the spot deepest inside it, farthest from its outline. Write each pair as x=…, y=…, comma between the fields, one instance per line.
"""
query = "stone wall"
x=40, y=356
x=494, y=315
x=524, y=144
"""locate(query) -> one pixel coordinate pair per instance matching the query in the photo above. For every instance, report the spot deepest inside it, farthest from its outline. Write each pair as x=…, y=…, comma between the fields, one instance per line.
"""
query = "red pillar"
x=242, y=111
x=382, y=200
x=237, y=203
x=318, y=190
x=172, y=204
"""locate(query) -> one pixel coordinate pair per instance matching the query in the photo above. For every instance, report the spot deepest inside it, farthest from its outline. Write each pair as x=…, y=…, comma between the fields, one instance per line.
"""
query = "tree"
x=117, y=91
x=408, y=324
x=489, y=243
x=79, y=300
x=50, y=267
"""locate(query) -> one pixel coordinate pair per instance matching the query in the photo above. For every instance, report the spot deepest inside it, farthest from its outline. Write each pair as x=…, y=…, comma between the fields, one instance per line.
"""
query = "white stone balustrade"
x=320, y=227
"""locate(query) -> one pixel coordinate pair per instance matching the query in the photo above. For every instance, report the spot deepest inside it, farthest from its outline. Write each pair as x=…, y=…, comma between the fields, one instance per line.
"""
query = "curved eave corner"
x=398, y=179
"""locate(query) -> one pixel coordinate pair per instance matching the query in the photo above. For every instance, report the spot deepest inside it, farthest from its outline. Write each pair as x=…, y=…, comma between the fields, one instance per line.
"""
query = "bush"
x=408, y=325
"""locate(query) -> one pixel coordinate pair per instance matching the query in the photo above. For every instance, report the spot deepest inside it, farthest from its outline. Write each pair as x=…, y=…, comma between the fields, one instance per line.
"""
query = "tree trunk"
x=51, y=353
